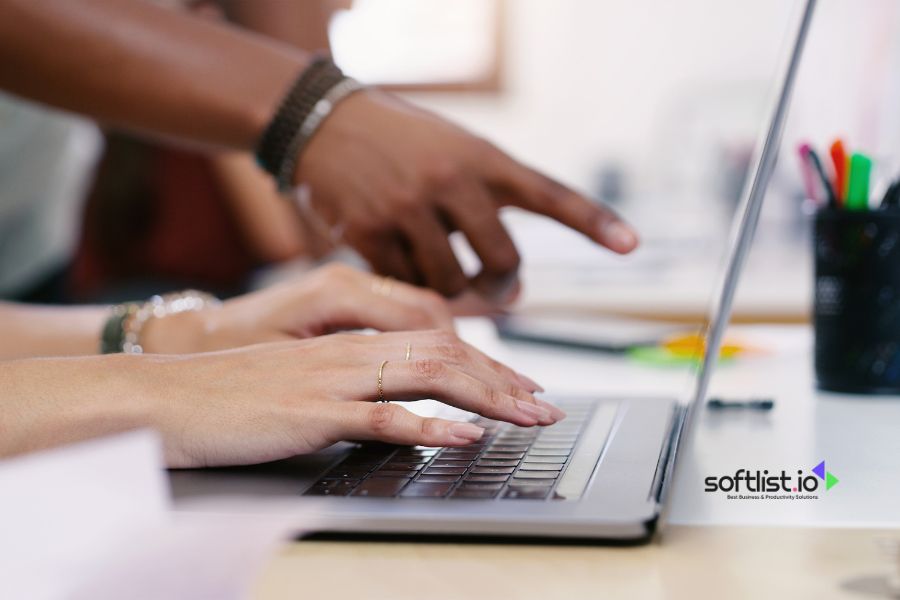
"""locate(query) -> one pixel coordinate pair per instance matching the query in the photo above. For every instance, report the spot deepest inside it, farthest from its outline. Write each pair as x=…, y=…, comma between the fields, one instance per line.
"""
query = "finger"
x=433, y=378
x=499, y=367
x=394, y=424
x=449, y=348
x=388, y=256
x=474, y=212
x=424, y=308
x=384, y=313
x=532, y=191
x=433, y=255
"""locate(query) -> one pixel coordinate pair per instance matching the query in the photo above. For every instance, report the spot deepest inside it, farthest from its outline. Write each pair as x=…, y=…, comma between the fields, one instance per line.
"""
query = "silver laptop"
x=603, y=473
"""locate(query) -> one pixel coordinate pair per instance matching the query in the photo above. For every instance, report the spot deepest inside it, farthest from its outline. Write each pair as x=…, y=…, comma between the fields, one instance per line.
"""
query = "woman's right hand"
x=273, y=401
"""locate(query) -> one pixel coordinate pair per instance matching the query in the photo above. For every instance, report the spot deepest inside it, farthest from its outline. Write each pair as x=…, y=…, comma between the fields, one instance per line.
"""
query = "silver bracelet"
x=310, y=125
x=158, y=307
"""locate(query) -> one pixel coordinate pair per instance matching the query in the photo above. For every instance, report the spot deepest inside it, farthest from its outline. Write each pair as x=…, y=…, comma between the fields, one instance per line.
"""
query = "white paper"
x=94, y=521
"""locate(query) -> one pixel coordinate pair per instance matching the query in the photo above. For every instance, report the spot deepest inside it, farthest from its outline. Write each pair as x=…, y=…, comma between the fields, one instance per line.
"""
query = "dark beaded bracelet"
x=279, y=141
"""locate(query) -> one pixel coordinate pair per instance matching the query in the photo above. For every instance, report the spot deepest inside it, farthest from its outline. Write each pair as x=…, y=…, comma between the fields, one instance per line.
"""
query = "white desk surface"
x=857, y=436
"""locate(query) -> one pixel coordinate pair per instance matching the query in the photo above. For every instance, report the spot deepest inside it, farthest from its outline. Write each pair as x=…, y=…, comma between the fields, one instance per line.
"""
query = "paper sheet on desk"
x=93, y=520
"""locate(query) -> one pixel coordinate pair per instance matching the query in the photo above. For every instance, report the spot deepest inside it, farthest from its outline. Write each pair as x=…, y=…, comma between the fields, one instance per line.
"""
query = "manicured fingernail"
x=556, y=412
x=619, y=235
x=466, y=431
x=533, y=410
x=531, y=383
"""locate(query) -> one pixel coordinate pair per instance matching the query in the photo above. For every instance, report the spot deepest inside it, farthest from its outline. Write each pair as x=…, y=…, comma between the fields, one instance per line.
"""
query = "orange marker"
x=841, y=167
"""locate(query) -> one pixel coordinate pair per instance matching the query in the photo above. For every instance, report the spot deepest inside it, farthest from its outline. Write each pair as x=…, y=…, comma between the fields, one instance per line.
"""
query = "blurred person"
x=390, y=180
x=139, y=234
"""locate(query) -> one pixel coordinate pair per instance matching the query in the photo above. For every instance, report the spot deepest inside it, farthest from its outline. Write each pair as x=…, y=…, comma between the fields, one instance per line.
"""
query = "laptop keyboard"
x=509, y=462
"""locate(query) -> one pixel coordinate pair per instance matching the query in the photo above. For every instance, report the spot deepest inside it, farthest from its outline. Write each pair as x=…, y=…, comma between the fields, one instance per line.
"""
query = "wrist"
x=181, y=333
x=126, y=329
x=309, y=102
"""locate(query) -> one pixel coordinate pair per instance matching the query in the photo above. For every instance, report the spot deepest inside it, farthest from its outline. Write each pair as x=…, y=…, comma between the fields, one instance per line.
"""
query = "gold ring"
x=380, y=383
x=383, y=286
x=408, y=350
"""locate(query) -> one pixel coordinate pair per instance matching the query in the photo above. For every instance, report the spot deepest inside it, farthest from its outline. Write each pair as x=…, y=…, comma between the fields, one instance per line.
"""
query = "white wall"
x=667, y=88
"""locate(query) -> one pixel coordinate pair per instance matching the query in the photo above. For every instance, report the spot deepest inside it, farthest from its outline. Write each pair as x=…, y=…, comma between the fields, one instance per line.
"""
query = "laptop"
x=603, y=473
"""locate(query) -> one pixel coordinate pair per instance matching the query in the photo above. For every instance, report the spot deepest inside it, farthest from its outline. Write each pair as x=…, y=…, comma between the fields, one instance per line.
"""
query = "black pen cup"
x=857, y=301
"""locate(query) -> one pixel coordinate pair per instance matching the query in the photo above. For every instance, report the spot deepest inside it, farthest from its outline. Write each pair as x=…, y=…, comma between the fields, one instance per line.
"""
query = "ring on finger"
x=408, y=350
x=379, y=384
x=383, y=286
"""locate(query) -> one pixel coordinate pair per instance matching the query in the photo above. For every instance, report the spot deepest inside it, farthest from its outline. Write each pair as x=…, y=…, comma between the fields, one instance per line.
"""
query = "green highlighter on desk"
x=857, y=275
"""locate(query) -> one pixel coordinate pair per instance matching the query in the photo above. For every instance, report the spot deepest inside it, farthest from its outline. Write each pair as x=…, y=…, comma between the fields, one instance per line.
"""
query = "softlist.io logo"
x=772, y=485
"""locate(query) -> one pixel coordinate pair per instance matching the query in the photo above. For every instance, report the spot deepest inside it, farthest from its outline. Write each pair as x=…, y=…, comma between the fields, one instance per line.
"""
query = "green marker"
x=858, y=188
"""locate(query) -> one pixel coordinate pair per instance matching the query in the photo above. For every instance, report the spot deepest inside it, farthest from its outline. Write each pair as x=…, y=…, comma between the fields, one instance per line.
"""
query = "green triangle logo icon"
x=830, y=481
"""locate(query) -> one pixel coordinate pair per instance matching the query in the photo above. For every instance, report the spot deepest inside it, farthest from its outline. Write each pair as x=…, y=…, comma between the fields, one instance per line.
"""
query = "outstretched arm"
x=395, y=179
x=133, y=64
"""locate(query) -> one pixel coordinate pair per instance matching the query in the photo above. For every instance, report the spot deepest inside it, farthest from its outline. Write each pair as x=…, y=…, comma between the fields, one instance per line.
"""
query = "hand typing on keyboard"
x=274, y=401
x=508, y=462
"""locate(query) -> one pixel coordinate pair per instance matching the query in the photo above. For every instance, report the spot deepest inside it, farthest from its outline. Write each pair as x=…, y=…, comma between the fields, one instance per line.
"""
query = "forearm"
x=51, y=401
x=30, y=331
x=136, y=65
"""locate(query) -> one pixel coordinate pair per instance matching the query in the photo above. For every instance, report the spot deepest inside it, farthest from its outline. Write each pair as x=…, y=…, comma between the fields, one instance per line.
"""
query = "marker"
x=839, y=159
x=809, y=177
x=823, y=176
x=858, y=186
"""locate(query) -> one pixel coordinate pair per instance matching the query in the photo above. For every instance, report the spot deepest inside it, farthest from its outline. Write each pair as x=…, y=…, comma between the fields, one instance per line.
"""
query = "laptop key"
x=536, y=475
x=473, y=493
x=487, y=478
x=331, y=488
x=443, y=462
x=549, y=452
x=380, y=487
x=426, y=490
x=432, y=470
x=534, y=466
x=387, y=473
x=508, y=448
x=558, y=460
x=496, y=463
x=480, y=485
x=396, y=466
x=492, y=470
x=438, y=478
x=527, y=493
x=503, y=455
x=409, y=460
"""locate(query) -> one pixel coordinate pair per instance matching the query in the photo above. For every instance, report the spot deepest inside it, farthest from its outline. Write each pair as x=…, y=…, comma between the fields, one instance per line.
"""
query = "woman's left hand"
x=331, y=299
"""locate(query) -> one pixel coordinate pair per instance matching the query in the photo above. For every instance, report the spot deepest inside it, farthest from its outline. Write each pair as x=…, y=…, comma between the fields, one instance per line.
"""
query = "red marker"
x=841, y=176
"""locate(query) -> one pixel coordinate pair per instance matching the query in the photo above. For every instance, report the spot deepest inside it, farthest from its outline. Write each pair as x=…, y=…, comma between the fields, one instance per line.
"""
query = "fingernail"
x=531, y=383
x=619, y=235
x=533, y=410
x=557, y=413
x=466, y=431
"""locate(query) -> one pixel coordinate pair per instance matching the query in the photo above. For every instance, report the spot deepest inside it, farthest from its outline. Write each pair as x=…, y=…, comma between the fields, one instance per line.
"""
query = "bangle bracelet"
x=309, y=101
x=310, y=125
x=123, y=329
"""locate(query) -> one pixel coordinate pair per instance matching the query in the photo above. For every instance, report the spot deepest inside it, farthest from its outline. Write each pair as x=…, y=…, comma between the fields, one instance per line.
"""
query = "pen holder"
x=857, y=301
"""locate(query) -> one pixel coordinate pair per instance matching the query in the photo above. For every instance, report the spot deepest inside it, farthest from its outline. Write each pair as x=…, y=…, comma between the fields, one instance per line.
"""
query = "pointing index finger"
x=537, y=193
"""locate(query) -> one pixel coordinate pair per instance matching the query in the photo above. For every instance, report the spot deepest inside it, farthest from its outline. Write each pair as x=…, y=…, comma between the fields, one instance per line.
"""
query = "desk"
x=803, y=549
x=693, y=562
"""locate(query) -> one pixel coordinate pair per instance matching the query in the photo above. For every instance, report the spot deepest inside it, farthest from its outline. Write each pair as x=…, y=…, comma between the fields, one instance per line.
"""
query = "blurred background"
x=650, y=106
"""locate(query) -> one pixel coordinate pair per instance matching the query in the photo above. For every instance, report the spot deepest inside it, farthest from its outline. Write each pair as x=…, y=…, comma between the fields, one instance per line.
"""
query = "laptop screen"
x=747, y=215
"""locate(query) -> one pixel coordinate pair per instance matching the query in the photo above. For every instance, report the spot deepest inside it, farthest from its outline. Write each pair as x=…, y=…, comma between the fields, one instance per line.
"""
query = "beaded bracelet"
x=312, y=97
x=122, y=330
